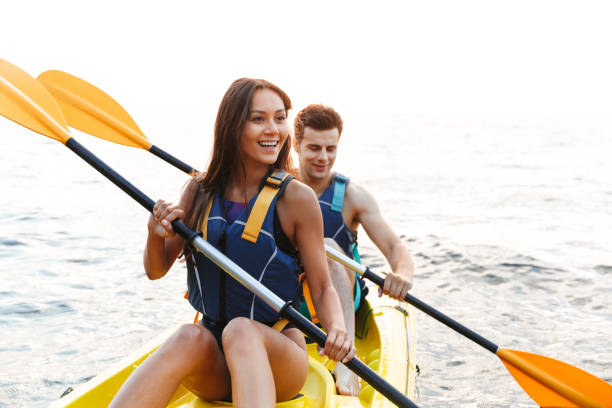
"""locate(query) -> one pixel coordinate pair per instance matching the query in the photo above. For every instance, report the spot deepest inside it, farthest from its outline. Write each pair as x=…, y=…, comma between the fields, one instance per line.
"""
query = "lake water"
x=509, y=223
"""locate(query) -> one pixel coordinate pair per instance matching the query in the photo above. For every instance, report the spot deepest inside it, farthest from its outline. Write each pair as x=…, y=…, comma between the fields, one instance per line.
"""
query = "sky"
x=488, y=58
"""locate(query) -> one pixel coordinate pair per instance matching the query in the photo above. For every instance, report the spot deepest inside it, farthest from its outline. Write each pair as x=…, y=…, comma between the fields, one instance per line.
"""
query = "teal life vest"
x=250, y=242
x=331, y=202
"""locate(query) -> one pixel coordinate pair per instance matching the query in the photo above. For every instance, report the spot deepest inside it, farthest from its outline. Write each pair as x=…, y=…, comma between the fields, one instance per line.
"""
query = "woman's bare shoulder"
x=299, y=194
x=299, y=203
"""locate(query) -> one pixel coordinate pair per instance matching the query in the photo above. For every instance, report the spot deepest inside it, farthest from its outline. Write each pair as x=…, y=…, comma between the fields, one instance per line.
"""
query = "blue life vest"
x=331, y=201
x=220, y=297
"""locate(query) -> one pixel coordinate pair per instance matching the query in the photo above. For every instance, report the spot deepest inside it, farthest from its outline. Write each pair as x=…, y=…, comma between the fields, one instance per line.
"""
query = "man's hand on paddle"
x=396, y=285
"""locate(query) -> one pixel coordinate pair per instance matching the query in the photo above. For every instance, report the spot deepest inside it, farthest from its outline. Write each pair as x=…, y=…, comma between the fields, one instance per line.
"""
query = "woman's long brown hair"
x=226, y=157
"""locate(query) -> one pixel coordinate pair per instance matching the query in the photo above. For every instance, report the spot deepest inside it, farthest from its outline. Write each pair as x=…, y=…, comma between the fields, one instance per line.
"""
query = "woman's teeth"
x=268, y=144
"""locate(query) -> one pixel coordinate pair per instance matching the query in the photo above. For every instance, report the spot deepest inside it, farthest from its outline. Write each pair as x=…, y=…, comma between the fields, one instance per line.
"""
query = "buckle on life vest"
x=341, y=178
x=275, y=180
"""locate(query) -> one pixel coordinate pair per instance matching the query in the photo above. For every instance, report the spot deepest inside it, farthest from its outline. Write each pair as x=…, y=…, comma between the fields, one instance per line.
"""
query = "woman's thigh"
x=288, y=360
x=248, y=343
x=210, y=378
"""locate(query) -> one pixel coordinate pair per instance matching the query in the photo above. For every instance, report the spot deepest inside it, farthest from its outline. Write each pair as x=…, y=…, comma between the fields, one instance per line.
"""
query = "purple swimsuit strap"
x=232, y=209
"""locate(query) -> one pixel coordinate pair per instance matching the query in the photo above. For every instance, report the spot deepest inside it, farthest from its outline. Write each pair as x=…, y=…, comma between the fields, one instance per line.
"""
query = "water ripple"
x=11, y=242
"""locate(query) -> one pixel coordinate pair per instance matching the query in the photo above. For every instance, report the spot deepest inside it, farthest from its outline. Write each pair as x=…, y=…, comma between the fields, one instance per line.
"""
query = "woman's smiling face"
x=266, y=128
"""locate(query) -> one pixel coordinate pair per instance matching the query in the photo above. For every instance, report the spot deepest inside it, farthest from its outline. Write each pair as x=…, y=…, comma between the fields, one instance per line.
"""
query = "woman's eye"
x=257, y=119
x=281, y=118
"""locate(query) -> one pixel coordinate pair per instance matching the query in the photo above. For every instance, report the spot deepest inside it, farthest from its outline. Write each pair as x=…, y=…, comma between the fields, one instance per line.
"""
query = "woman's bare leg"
x=265, y=366
x=191, y=355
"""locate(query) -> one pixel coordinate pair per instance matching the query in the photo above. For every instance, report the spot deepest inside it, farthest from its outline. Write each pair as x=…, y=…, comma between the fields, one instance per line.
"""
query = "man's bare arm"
x=368, y=214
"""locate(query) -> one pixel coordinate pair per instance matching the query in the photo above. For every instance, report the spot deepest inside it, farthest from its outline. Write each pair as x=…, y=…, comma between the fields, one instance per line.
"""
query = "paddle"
x=90, y=110
x=549, y=382
x=25, y=101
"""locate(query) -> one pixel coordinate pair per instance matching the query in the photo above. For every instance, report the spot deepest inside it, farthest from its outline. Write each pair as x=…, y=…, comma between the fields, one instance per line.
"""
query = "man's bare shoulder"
x=358, y=197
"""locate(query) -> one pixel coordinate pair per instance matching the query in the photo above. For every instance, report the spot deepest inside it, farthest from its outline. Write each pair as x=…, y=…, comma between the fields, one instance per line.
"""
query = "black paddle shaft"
x=171, y=159
x=357, y=366
x=439, y=316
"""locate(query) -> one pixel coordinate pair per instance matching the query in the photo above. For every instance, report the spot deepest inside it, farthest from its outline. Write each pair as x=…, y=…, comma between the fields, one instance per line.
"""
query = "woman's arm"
x=299, y=211
x=163, y=245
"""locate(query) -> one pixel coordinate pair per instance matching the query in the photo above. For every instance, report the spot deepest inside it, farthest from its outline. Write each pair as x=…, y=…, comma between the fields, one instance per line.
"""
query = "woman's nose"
x=271, y=127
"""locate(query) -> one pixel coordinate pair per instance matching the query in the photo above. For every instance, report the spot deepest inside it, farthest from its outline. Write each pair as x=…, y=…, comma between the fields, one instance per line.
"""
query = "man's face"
x=317, y=151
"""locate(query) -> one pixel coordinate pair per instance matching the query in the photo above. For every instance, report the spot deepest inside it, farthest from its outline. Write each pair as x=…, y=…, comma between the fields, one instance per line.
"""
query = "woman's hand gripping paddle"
x=24, y=100
x=547, y=381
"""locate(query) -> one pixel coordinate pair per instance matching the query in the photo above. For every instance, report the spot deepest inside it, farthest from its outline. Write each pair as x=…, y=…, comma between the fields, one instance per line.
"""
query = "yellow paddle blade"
x=553, y=383
x=25, y=101
x=92, y=111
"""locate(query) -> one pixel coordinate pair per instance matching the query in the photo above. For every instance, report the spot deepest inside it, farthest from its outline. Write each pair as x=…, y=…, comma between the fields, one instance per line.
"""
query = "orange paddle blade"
x=25, y=101
x=92, y=111
x=553, y=383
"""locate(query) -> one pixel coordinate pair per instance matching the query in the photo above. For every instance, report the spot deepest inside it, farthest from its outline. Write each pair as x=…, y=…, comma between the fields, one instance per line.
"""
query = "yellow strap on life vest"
x=204, y=223
x=260, y=208
x=308, y=299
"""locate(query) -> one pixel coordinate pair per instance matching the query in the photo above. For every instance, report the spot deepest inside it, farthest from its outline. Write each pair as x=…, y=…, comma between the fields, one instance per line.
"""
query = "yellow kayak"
x=385, y=339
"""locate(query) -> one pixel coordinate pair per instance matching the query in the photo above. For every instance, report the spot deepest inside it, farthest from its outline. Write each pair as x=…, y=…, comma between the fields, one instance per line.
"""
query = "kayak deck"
x=385, y=337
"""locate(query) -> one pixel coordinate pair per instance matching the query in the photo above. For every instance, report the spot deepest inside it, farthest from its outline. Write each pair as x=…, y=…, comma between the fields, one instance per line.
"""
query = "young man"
x=345, y=206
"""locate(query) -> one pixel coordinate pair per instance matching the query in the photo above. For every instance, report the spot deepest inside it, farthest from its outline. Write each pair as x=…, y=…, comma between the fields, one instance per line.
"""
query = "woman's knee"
x=240, y=334
x=190, y=339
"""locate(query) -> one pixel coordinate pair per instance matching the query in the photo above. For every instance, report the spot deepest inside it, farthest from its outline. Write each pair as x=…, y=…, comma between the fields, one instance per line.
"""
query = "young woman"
x=247, y=207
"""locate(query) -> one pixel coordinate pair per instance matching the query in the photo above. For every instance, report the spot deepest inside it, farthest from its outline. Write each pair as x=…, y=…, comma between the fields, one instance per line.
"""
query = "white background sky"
x=478, y=58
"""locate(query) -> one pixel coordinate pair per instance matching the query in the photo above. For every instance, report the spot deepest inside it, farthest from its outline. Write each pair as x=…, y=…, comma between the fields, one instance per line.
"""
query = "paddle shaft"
x=439, y=316
x=162, y=154
x=365, y=272
x=270, y=298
